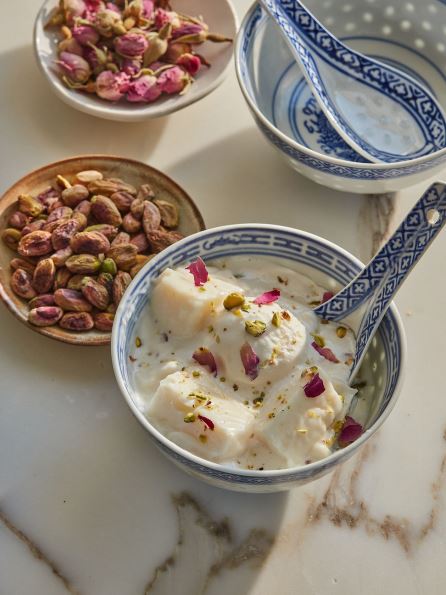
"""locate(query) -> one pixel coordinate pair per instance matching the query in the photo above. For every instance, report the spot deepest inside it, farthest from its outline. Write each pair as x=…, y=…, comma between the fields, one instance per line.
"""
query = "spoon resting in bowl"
x=384, y=114
x=373, y=289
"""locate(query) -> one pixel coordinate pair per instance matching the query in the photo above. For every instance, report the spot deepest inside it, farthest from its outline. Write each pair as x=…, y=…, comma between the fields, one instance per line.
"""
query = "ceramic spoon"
x=382, y=113
x=375, y=287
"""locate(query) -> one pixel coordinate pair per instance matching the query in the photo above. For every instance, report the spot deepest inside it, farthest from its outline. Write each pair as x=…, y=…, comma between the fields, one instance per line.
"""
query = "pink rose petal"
x=350, y=432
x=250, y=361
x=315, y=387
x=268, y=297
x=199, y=271
x=327, y=296
x=205, y=358
x=207, y=421
x=325, y=352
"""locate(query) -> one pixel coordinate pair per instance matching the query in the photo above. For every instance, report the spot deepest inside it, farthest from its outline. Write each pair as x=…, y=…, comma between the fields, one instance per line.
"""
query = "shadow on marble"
x=245, y=166
x=34, y=112
x=82, y=481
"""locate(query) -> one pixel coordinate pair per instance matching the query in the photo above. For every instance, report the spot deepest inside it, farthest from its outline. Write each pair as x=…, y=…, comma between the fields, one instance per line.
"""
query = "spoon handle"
x=395, y=259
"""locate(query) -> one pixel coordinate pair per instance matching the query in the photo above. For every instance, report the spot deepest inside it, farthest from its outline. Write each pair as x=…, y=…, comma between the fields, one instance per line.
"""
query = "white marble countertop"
x=89, y=506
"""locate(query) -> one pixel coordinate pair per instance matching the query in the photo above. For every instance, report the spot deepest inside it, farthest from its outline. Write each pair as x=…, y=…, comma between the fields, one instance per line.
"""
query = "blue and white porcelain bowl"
x=408, y=35
x=326, y=263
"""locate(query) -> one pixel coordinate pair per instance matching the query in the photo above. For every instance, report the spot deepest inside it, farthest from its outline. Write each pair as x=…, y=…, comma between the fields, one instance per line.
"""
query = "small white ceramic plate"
x=219, y=15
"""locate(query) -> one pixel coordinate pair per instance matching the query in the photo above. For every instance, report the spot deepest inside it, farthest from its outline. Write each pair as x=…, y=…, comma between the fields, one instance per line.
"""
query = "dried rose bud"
x=131, y=45
x=108, y=22
x=73, y=9
x=148, y=7
x=74, y=67
x=112, y=85
x=164, y=17
x=174, y=80
x=144, y=89
x=190, y=62
x=189, y=28
x=175, y=50
x=158, y=44
x=71, y=46
x=85, y=34
x=131, y=66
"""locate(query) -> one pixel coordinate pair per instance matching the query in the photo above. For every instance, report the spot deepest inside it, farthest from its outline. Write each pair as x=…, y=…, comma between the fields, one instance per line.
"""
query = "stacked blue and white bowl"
x=408, y=35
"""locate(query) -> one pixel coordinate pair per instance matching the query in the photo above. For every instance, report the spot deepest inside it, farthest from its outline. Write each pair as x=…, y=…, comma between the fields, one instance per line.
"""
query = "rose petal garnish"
x=199, y=271
x=325, y=352
x=250, y=361
x=351, y=431
x=327, y=296
x=205, y=358
x=207, y=421
x=315, y=387
x=268, y=297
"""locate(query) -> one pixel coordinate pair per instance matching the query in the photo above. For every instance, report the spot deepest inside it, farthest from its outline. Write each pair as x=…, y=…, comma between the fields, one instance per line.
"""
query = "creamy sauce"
x=260, y=420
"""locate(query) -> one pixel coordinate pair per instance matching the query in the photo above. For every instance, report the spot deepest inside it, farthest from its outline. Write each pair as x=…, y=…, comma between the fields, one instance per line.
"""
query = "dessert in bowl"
x=407, y=36
x=239, y=383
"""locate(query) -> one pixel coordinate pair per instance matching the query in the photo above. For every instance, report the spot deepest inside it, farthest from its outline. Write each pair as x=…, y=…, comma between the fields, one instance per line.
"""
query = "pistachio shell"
x=45, y=315
x=30, y=206
x=36, y=243
x=44, y=276
x=71, y=300
x=77, y=321
x=21, y=284
x=169, y=213
x=11, y=237
x=104, y=210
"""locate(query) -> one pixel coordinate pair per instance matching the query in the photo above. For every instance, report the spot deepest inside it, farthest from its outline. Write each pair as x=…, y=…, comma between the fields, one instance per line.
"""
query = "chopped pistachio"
x=233, y=300
x=138, y=342
x=271, y=415
x=202, y=288
x=277, y=319
x=341, y=331
x=235, y=387
x=202, y=438
x=255, y=327
x=319, y=340
x=258, y=402
x=196, y=374
x=189, y=417
x=338, y=425
x=246, y=307
x=302, y=430
x=222, y=379
x=199, y=396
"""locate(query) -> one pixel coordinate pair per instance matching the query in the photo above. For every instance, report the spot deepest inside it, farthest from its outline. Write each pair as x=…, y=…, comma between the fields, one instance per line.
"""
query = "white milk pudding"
x=231, y=364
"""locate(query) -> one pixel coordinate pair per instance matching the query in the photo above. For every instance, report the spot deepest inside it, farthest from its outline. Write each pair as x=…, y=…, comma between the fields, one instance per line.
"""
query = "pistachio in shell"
x=95, y=293
x=120, y=283
x=104, y=210
x=21, y=284
x=103, y=321
x=74, y=195
x=44, y=276
x=89, y=242
x=169, y=213
x=30, y=206
x=151, y=218
x=36, y=243
x=160, y=239
x=124, y=255
x=85, y=264
x=45, y=315
x=71, y=300
x=77, y=321
x=11, y=237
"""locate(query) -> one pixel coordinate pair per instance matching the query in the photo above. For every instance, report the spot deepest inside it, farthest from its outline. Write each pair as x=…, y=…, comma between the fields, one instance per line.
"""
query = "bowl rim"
x=293, y=143
x=119, y=111
x=334, y=458
x=104, y=338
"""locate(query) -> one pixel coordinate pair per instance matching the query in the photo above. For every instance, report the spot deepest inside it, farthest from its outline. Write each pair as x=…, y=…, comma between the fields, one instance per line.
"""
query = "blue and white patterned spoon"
x=382, y=113
x=375, y=287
